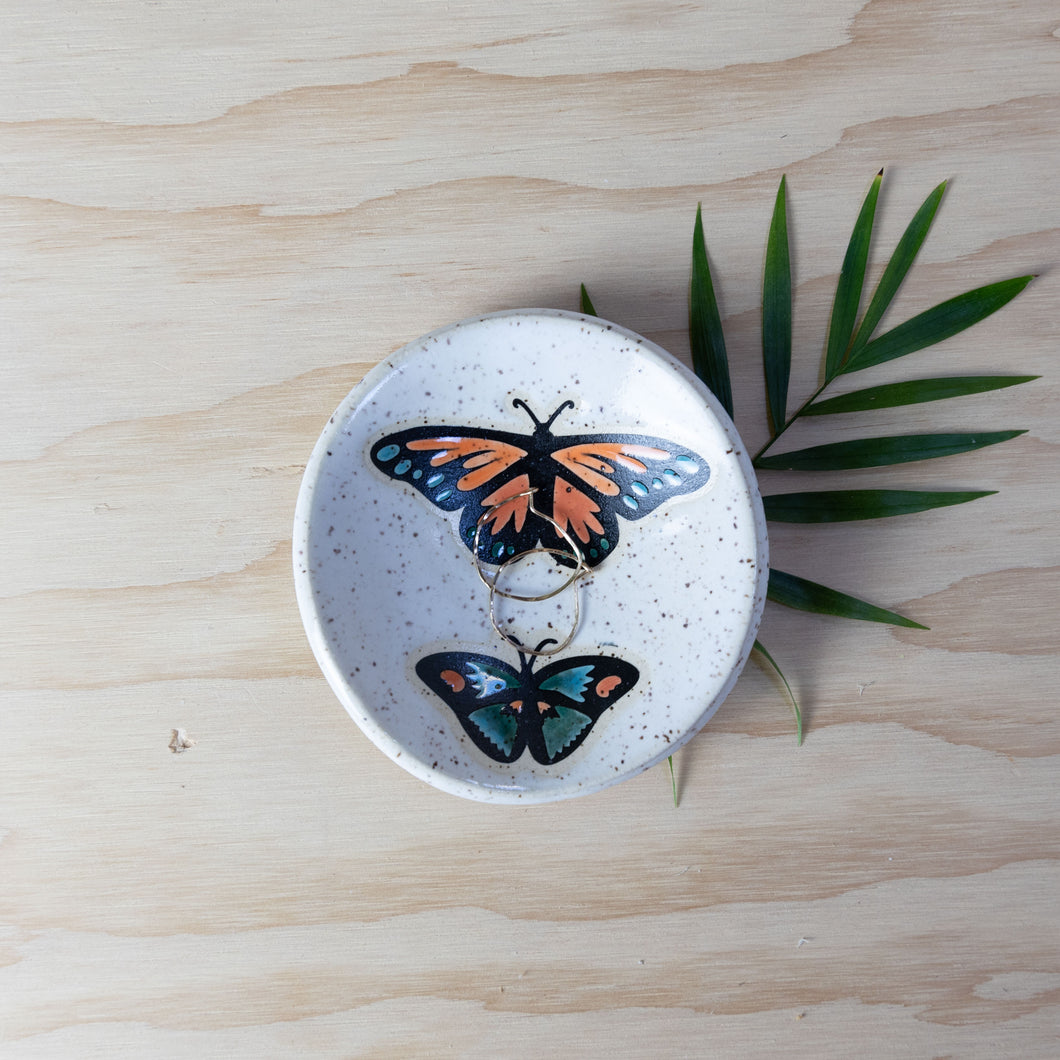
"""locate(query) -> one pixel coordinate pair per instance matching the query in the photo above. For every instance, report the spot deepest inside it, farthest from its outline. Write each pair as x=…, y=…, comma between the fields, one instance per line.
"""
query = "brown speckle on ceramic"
x=385, y=581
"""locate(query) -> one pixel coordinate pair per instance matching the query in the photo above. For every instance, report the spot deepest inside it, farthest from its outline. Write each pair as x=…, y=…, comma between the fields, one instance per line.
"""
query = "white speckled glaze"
x=383, y=579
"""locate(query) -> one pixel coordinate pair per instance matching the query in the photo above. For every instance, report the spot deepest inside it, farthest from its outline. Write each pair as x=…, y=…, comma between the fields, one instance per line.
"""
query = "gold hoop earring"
x=580, y=567
x=494, y=593
x=492, y=581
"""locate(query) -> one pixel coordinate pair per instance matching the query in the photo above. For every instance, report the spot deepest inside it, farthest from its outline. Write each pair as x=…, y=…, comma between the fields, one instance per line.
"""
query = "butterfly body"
x=506, y=711
x=583, y=482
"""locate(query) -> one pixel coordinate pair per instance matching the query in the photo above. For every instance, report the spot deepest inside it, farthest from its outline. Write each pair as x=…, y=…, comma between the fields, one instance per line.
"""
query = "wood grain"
x=213, y=220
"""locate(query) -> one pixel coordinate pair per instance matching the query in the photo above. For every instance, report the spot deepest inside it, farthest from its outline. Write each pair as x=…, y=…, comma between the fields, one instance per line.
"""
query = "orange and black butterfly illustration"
x=507, y=711
x=583, y=481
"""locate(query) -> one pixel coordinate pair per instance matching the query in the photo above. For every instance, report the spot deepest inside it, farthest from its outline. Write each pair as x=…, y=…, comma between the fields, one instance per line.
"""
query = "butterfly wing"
x=594, y=479
x=584, y=481
x=486, y=696
x=503, y=714
x=568, y=698
x=469, y=469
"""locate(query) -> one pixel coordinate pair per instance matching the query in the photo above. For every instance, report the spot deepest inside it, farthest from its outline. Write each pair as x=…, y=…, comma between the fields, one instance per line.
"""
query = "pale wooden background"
x=215, y=218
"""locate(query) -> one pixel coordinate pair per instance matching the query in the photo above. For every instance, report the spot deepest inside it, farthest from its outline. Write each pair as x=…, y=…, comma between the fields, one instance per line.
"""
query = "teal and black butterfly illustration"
x=507, y=711
x=584, y=481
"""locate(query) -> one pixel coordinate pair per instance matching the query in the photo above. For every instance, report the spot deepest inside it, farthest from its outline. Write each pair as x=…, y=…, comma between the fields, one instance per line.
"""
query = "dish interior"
x=386, y=580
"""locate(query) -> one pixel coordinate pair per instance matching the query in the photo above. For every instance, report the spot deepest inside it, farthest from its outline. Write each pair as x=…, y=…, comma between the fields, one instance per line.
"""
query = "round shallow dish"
x=631, y=454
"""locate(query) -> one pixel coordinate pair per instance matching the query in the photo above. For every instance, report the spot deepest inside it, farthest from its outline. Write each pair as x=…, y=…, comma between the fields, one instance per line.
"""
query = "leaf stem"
x=790, y=420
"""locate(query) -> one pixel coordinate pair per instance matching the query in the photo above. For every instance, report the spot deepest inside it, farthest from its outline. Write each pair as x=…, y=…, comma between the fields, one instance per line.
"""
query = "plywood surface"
x=213, y=220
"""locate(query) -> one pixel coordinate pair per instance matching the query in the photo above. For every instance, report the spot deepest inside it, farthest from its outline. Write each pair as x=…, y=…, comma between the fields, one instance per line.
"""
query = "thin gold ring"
x=535, y=651
x=580, y=569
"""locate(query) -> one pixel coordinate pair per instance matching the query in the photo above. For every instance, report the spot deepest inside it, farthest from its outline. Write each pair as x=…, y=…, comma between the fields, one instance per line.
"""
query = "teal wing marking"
x=497, y=726
x=572, y=683
x=564, y=729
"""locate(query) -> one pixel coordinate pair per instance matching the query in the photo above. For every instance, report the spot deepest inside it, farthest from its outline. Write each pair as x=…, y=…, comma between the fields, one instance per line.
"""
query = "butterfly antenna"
x=519, y=403
x=518, y=645
x=552, y=418
x=547, y=640
x=538, y=425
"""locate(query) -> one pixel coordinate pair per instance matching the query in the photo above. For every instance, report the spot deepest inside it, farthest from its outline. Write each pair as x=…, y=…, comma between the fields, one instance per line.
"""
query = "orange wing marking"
x=605, y=687
x=454, y=680
x=590, y=461
x=483, y=457
x=571, y=507
x=505, y=509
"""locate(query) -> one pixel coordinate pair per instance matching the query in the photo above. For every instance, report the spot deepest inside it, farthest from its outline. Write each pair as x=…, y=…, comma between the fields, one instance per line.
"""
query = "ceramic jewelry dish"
x=599, y=487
